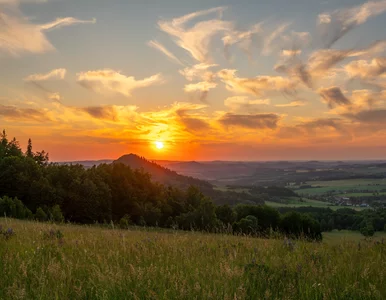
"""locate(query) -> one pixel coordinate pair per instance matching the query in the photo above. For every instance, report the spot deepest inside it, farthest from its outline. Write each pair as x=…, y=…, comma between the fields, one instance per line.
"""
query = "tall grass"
x=45, y=261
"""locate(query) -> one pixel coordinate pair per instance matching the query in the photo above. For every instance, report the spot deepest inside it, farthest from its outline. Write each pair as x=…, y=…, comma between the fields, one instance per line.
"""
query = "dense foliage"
x=366, y=221
x=30, y=187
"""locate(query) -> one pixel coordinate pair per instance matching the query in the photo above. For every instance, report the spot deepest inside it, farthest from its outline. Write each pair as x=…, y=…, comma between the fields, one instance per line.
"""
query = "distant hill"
x=161, y=174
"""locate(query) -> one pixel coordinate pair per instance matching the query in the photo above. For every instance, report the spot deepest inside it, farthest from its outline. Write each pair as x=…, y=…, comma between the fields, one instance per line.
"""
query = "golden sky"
x=210, y=83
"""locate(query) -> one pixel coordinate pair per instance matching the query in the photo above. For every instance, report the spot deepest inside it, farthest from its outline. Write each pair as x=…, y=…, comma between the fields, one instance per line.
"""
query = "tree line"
x=30, y=187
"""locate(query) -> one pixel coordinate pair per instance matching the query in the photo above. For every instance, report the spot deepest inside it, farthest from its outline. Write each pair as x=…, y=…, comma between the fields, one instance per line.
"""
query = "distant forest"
x=33, y=188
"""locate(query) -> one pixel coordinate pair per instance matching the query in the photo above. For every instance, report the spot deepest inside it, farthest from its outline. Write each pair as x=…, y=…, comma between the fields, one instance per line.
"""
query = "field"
x=80, y=262
x=295, y=202
x=341, y=186
x=336, y=237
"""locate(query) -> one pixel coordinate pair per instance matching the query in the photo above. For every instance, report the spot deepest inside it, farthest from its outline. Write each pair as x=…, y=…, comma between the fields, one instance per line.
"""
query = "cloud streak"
x=54, y=74
x=162, y=49
x=254, y=121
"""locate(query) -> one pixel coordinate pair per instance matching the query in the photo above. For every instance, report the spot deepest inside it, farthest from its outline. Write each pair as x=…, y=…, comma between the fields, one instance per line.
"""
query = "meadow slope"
x=46, y=261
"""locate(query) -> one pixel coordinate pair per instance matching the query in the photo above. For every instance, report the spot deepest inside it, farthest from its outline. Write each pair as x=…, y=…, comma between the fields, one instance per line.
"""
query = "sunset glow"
x=159, y=145
x=234, y=82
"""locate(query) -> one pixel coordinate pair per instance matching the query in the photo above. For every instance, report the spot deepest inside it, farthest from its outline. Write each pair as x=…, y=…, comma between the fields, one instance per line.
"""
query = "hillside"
x=46, y=261
x=161, y=174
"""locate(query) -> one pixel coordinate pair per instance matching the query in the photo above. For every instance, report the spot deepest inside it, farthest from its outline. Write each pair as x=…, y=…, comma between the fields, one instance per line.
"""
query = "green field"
x=96, y=263
x=336, y=237
x=295, y=202
x=340, y=186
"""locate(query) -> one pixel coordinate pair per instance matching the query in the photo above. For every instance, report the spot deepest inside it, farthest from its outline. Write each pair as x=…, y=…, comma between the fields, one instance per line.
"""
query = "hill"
x=161, y=174
x=144, y=263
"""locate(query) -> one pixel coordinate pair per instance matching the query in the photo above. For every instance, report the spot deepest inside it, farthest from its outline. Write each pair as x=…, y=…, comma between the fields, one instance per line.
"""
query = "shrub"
x=56, y=214
x=368, y=230
x=124, y=222
x=40, y=215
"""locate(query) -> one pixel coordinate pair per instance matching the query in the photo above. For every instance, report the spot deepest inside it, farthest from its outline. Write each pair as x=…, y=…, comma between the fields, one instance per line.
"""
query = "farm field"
x=297, y=203
x=44, y=261
x=313, y=203
x=341, y=186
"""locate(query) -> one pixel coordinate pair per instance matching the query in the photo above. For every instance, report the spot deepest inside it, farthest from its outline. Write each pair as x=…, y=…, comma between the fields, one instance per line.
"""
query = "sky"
x=205, y=79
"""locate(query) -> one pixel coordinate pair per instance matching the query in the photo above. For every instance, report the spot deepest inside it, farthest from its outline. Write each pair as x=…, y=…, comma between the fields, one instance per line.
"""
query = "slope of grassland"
x=95, y=263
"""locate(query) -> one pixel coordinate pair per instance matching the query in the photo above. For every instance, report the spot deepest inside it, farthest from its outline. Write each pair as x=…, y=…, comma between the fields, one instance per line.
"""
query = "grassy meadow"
x=342, y=186
x=46, y=261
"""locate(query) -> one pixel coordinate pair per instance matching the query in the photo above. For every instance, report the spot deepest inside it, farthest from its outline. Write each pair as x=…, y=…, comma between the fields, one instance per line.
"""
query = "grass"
x=336, y=236
x=96, y=263
x=295, y=202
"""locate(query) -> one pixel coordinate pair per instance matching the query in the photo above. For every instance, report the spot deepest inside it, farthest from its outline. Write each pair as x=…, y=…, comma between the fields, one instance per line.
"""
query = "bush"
x=14, y=208
x=124, y=222
x=56, y=214
x=247, y=225
x=368, y=230
x=40, y=215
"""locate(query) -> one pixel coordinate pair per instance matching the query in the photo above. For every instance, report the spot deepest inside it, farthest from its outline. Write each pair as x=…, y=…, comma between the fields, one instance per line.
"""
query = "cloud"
x=243, y=102
x=198, y=71
x=296, y=103
x=322, y=60
x=377, y=116
x=316, y=130
x=196, y=39
x=108, y=80
x=270, y=42
x=291, y=52
x=18, y=36
x=366, y=70
x=14, y=113
x=335, y=25
x=333, y=96
x=257, y=85
x=203, y=86
x=54, y=74
x=255, y=121
x=61, y=22
x=243, y=38
x=101, y=112
x=161, y=48
x=191, y=123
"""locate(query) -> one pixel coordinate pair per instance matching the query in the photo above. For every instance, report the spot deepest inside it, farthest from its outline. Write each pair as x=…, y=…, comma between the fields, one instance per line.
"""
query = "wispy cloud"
x=333, y=96
x=336, y=24
x=237, y=103
x=196, y=39
x=54, y=74
x=296, y=103
x=257, y=85
x=161, y=48
x=23, y=114
x=19, y=36
x=108, y=80
x=253, y=121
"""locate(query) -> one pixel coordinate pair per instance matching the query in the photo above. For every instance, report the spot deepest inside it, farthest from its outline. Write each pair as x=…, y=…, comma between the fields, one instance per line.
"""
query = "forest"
x=33, y=188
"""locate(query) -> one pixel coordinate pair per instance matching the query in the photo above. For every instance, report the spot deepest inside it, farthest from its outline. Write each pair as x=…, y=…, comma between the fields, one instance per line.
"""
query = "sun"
x=159, y=145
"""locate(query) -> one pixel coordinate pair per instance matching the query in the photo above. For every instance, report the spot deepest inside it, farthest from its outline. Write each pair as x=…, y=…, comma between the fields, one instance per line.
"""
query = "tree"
x=225, y=214
x=368, y=230
x=41, y=157
x=29, y=152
